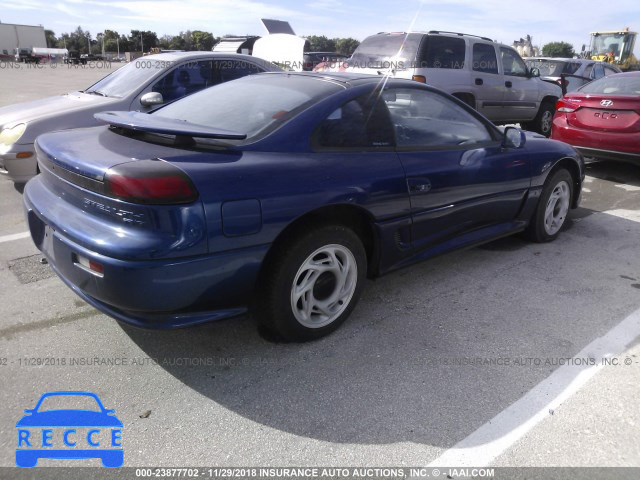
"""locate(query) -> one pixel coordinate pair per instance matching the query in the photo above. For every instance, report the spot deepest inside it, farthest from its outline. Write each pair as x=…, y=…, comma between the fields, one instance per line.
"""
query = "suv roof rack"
x=460, y=34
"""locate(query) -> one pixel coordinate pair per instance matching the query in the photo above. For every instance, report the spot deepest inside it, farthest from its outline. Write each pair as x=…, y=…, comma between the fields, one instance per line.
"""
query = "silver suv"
x=489, y=76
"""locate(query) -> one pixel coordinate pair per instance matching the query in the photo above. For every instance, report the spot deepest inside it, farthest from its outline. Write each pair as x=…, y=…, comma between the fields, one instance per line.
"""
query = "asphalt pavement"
x=511, y=354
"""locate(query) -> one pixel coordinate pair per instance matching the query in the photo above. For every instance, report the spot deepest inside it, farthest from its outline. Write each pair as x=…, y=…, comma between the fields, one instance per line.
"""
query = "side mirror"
x=28, y=410
x=152, y=98
x=513, y=138
x=534, y=72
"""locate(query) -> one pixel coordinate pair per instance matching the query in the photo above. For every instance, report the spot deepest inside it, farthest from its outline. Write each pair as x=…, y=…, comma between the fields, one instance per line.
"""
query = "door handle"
x=479, y=81
x=508, y=84
x=418, y=185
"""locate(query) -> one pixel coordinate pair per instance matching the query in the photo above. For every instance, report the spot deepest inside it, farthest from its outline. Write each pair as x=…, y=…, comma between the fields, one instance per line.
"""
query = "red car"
x=602, y=118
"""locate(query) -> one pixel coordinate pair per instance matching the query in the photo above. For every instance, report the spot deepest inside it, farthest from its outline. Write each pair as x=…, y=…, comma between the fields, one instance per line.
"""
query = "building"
x=20, y=36
x=525, y=48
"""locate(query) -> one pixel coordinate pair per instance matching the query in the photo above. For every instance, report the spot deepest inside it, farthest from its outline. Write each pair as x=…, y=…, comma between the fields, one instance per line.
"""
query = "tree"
x=558, y=49
x=140, y=40
x=50, y=38
x=77, y=40
x=202, y=40
x=320, y=43
x=346, y=46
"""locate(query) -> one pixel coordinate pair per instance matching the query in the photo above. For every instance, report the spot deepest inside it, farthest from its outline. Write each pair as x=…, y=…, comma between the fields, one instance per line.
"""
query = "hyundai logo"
x=606, y=103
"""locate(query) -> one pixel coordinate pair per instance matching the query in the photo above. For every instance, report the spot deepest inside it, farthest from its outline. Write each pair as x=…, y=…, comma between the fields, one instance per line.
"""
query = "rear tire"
x=553, y=207
x=312, y=283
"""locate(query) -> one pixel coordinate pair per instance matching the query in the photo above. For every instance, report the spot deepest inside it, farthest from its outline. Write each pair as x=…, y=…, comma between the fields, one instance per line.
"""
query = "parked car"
x=74, y=58
x=281, y=192
x=488, y=76
x=313, y=59
x=570, y=73
x=602, y=118
x=140, y=85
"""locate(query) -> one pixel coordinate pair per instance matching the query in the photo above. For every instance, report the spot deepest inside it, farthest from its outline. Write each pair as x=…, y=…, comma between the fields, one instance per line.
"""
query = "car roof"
x=174, y=56
x=564, y=59
x=628, y=74
x=347, y=78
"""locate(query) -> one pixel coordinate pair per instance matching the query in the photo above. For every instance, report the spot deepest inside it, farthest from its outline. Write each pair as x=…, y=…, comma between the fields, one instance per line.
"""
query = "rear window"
x=619, y=84
x=553, y=68
x=442, y=52
x=385, y=51
x=253, y=105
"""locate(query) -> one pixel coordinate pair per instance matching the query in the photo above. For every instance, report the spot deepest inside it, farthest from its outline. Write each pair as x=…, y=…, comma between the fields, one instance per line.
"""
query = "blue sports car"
x=279, y=193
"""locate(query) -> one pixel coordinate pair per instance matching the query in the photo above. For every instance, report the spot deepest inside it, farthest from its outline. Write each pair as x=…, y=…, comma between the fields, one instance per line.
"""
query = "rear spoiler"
x=143, y=122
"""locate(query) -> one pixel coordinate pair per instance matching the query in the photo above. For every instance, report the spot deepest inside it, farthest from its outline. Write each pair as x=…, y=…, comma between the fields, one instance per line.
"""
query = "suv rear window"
x=397, y=51
x=442, y=52
x=553, y=68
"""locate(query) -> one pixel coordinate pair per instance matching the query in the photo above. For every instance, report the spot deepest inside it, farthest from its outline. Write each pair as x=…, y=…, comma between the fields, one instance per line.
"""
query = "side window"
x=183, y=80
x=512, y=64
x=427, y=119
x=484, y=58
x=598, y=71
x=442, y=52
x=571, y=68
x=588, y=71
x=361, y=123
x=608, y=71
x=234, y=69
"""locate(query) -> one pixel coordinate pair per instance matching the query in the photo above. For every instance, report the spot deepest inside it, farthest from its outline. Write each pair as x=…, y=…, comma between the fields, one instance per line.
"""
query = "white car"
x=142, y=85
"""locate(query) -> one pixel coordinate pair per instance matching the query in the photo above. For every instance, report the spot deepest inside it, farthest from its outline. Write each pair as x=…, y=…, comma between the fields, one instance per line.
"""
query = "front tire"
x=312, y=283
x=553, y=208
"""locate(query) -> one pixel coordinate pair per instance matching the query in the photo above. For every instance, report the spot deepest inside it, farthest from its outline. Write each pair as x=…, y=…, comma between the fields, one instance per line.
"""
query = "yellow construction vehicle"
x=615, y=46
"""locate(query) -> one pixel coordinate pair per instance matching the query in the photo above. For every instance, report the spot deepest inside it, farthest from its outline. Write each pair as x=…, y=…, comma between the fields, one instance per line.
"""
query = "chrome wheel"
x=324, y=285
x=557, y=208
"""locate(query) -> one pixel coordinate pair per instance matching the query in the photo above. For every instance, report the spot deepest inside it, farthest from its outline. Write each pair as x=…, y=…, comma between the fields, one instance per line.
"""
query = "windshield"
x=253, y=105
x=604, y=43
x=125, y=80
x=553, y=68
x=396, y=51
x=619, y=84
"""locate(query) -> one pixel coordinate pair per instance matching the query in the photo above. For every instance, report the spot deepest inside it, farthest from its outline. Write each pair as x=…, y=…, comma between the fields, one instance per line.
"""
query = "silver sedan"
x=142, y=85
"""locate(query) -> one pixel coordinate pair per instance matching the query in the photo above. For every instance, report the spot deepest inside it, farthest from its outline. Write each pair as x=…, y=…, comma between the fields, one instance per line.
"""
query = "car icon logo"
x=606, y=103
x=55, y=429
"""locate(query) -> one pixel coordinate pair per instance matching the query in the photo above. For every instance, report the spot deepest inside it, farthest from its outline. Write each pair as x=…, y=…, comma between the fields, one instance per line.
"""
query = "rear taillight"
x=564, y=106
x=149, y=182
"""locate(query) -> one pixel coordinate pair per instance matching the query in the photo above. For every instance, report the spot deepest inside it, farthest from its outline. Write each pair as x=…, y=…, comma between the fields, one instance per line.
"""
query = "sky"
x=502, y=20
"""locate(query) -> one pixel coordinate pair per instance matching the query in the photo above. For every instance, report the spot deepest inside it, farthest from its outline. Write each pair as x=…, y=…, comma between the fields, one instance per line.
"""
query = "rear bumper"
x=19, y=169
x=164, y=293
x=609, y=155
x=623, y=147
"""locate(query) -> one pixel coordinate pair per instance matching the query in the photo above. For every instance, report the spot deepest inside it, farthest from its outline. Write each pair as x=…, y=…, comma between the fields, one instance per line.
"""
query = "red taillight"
x=150, y=182
x=565, y=106
x=96, y=267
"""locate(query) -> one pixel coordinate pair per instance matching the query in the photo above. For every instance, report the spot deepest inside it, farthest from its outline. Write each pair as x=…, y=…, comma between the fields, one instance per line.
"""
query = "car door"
x=459, y=177
x=521, y=90
x=488, y=85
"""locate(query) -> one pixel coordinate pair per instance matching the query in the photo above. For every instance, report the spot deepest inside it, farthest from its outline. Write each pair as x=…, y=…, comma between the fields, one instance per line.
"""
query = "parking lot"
x=510, y=354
